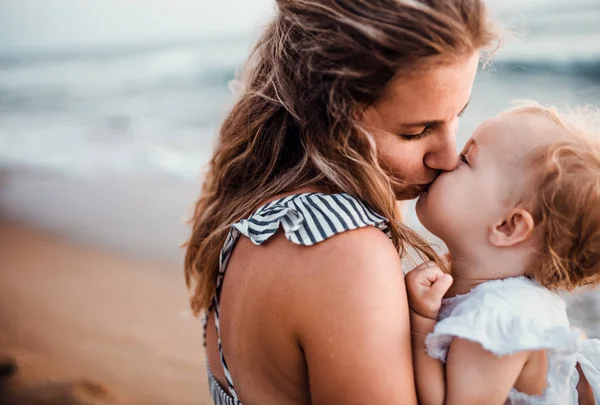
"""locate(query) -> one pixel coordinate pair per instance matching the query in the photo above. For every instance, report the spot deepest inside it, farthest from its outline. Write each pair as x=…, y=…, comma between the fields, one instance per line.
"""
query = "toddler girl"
x=521, y=218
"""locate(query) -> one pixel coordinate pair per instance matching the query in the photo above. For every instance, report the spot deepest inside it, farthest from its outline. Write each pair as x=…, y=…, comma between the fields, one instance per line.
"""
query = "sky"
x=68, y=23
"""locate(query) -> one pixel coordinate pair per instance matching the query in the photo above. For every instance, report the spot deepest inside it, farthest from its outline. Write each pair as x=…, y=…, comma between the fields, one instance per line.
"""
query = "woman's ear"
x=516, y=227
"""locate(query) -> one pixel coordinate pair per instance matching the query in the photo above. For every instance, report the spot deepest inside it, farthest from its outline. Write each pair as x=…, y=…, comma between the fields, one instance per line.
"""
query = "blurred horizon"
x=70, y=25
x=109, y=111
x=127, y=88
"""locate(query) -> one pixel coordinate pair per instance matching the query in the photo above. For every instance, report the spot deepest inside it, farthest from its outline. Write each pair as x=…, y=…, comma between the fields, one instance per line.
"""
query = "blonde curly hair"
x=563, y=196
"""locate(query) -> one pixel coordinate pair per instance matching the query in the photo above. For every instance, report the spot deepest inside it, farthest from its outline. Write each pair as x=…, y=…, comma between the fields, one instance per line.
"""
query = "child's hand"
x=426, y=286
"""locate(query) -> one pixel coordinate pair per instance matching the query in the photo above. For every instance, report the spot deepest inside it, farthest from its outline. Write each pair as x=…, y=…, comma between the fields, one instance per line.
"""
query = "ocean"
x=135, y=110
x=154, y=110
x=124, y=131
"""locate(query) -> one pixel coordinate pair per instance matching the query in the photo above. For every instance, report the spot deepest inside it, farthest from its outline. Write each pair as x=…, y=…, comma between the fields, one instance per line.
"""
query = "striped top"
x=306, y=219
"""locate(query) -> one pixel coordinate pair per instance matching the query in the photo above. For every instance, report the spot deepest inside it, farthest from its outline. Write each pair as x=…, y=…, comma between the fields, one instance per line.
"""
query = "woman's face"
x=414, y=123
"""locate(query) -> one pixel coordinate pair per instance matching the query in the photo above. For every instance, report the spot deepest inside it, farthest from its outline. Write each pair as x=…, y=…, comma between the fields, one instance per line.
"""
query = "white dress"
x=518, y=314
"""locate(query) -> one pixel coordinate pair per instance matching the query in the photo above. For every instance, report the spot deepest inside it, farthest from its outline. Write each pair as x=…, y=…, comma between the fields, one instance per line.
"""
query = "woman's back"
x=285, y=306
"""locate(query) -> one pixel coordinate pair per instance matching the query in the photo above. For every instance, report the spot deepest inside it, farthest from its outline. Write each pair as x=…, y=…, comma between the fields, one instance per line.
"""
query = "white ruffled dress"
x=517, y=314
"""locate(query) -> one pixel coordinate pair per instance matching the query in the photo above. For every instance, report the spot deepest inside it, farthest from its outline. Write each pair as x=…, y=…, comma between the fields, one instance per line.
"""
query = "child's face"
x=463, y=205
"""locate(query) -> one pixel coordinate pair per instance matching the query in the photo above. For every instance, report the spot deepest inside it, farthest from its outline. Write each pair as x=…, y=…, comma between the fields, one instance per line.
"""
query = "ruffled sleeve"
x=265, y=223
x=505, y=319
x=310, y=218
x=588, y=357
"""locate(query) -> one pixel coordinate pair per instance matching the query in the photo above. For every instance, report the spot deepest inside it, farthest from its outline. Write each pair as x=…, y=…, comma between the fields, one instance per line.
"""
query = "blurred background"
x=108, y=112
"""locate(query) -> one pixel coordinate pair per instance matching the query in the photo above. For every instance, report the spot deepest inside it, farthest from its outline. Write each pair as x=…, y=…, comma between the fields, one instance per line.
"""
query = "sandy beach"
x=86, y=322
x=93, y=306
x=103, y=131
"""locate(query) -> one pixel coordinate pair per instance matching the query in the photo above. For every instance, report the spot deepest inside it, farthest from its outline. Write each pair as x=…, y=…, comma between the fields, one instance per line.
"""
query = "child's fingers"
x=440, y=287
x=428, y=275
x=427, y=300
x=414, y=278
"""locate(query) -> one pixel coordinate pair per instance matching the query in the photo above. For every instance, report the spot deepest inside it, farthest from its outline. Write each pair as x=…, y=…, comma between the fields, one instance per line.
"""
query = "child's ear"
x=516, y=227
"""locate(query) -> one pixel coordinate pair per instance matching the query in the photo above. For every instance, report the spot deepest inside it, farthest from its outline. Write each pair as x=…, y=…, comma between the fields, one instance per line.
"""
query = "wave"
x=156, y=109
x=587, y=68
x=32, y=55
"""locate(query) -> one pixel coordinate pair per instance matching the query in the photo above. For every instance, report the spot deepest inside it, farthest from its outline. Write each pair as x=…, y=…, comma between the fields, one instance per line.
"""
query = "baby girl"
x=521, y=218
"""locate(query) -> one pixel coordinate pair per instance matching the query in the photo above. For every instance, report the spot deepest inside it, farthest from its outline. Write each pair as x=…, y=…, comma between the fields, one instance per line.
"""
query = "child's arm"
x=472, y=374
x=477, y=376
x=426, y=286
x=429, y=372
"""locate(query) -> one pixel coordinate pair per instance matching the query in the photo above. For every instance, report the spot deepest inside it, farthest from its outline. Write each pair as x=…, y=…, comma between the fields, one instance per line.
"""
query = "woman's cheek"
x=404, y=162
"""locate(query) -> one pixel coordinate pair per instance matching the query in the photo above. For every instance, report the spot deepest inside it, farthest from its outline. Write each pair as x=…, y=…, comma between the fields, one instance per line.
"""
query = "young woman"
x=347, y=106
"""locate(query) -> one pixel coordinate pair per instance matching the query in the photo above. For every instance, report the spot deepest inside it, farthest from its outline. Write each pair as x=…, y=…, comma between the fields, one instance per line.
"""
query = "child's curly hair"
x=565, y=204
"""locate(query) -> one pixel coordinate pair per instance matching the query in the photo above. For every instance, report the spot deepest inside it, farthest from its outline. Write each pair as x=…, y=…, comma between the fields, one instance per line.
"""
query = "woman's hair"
x=565, y=204
x=296, y=122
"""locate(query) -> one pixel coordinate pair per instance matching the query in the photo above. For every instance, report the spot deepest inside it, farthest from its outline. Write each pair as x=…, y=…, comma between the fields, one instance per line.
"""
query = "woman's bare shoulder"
x=347, y=308
x=350, y=254
x=343, y=272
x=352, y=268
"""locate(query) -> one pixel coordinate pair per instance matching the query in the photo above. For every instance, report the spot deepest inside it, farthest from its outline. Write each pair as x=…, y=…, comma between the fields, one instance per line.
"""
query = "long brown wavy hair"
x=296, y=123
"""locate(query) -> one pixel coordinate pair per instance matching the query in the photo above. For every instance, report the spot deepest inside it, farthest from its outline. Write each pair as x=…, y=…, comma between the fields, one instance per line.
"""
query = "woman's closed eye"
x=415, y=137
x=427, y=129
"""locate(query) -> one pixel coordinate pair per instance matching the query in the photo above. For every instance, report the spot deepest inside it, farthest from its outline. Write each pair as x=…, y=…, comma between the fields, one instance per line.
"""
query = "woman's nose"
x=442, y=155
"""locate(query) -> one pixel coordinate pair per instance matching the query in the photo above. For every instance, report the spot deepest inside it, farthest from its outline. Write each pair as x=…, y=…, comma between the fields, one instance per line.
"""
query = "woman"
x=347, y=107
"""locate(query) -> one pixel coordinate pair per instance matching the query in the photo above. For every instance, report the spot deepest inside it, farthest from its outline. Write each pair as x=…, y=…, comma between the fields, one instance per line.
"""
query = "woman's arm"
x=353, y=323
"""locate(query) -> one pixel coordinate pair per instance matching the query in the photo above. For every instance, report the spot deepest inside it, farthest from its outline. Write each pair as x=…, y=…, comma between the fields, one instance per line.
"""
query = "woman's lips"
x=423, y=188
x=414, y=191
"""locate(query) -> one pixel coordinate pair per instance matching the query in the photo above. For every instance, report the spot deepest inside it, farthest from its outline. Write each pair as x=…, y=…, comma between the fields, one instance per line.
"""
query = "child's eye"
x=463, y=159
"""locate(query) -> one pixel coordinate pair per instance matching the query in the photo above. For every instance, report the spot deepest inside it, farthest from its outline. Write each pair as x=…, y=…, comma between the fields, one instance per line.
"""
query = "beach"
x=93, y=305
x=102, y=151
x=89, y=321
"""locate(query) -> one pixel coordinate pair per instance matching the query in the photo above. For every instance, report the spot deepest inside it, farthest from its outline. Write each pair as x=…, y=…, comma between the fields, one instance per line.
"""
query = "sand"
x=69, y=313
x=93, y=306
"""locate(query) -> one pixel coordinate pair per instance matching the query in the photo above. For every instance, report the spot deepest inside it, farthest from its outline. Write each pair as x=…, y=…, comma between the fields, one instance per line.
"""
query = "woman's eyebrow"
x=431, y=122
